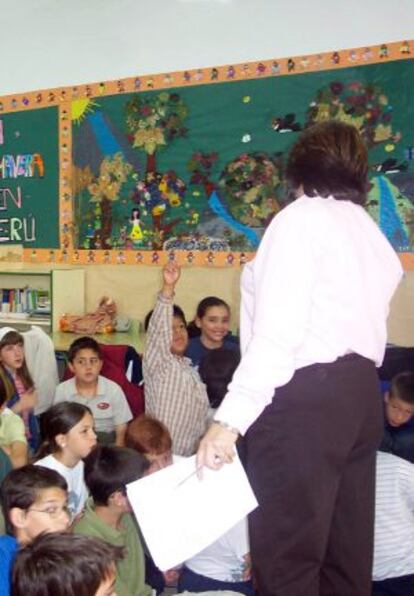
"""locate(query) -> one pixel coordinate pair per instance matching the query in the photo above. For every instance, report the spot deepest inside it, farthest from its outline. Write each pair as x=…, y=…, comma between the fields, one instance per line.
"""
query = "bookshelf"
x=39, y=296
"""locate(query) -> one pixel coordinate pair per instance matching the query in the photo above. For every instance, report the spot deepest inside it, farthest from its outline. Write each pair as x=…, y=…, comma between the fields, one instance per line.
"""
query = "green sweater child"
x=107, y=516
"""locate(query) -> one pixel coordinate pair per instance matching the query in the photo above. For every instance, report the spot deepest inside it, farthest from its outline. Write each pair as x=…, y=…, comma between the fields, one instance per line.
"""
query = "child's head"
x=66, y=564
x=12, y=356
x=108, y=469
x=213, y=320
x=68, y=429
x=179, y=330
x=149, y=436
x=399, y=400
x=34, y=500
x=216, y=371
x=85, y=359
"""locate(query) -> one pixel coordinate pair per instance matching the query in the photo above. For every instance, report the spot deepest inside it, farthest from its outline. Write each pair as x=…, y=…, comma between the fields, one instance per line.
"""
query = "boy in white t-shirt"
x=102, y=396
x=393, y=569
x=225, y=564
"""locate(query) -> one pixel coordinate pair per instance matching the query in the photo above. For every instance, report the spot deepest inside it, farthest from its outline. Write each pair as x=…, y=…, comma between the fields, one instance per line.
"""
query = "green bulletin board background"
x=29, y=132
x=235, y=126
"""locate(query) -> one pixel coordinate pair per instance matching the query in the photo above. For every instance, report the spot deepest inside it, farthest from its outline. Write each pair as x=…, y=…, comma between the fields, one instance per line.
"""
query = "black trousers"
x=311, y=463
x=395, y=586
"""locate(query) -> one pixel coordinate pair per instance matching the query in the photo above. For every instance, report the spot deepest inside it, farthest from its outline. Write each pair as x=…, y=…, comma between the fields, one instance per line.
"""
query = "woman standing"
x=306, y=393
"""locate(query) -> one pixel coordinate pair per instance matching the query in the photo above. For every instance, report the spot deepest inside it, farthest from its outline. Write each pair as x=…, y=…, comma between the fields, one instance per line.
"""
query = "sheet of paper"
x=180, y=515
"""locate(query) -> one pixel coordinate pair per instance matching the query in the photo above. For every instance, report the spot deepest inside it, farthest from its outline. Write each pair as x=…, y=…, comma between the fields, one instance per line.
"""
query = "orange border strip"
x=62, y=96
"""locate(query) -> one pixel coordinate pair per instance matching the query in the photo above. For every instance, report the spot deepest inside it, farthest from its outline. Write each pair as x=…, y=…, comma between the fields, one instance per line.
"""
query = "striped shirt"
x=394, y=518
x=174, y=392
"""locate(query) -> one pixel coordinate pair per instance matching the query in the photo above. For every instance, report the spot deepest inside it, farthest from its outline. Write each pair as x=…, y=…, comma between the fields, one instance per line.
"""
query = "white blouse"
x=319, y=288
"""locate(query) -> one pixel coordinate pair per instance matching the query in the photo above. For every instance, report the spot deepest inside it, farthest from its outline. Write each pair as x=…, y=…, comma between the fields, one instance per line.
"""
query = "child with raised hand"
x=69, y=437
x=33, y=500
x=24, y=400
x=64, y=565
x=104, y=397
x=210, y=329
x=174, y=392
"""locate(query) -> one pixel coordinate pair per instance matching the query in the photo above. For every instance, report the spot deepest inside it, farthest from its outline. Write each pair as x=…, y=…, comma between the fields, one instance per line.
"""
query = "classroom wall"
x=134, y=288
x=48, y=43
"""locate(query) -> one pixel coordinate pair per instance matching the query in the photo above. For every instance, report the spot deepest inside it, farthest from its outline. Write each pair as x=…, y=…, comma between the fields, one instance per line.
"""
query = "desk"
x=134, y=337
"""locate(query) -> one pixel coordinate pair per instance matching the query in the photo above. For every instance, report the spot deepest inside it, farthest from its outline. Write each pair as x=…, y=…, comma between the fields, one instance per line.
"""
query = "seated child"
x=210, y=330
x=398, y=435
x=151, y=438
x=64, y=565
x=24, y=397
x=105, y=398
x=216, y=371
x=224, y=565
x=33, y=500
x=393, y=570
x=69, y=438
x=174, y=392
x=13, y=442
x=108, y=469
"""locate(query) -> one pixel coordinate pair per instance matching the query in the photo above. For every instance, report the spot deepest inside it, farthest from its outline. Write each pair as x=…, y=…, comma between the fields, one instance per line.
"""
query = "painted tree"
x=200, y=165
x=154, y=121
x=363, y=105
x=250, y=186
x=105, y=189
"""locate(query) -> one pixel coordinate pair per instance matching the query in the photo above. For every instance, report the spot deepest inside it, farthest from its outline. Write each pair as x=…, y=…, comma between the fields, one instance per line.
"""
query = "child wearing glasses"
x=33, y=500
x=108, y=469
x=69, y=437
x=105, y=398
x=66, y=564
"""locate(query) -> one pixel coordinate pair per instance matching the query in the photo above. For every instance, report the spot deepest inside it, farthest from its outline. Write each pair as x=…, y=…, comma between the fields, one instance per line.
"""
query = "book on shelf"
x=25, y=300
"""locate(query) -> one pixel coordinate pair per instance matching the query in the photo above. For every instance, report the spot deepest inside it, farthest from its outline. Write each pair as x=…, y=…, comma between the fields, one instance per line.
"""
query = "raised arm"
x=159, y=335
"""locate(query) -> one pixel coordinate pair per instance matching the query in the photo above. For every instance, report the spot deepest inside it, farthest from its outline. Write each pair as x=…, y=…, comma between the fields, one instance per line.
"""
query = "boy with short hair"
x=66, y=564
x=174, y=392
x=33, y=500
x=13, y=440
x=108, y=469
x=104, y=397
x=398, y=435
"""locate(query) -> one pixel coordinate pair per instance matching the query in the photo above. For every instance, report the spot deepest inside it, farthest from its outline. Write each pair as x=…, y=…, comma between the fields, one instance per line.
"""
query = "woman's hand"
x=216, y=447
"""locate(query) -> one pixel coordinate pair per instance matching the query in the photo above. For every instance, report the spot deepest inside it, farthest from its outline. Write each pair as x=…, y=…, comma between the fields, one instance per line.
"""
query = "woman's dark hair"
x=329, y=158
x=109, y=469
x=63, y=564
x=202, y=308
x=13, y=338
x=177, y=312
x=21, y=488
x=58, y=420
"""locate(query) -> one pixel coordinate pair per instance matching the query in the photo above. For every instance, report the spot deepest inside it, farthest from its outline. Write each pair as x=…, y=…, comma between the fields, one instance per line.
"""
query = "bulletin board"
x=29, y=178
x=190, y=165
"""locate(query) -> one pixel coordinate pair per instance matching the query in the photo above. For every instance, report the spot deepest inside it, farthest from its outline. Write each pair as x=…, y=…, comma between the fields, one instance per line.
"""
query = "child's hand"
x=28, y=400
x=171, y=274
x=171, y=576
